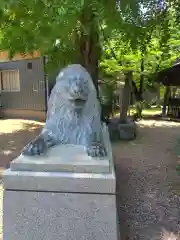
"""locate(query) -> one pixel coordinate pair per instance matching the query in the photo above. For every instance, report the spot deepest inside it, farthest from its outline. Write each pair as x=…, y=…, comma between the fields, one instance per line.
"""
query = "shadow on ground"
x=148, y=208
x=14, y=135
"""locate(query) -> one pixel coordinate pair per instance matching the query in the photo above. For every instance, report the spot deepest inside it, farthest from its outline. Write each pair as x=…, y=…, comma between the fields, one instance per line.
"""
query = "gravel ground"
x=147, y=205
x=146, y=179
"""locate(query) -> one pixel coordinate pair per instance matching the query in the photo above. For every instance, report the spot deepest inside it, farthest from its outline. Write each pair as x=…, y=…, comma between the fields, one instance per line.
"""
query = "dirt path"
x=14, y=134
x=148, y=208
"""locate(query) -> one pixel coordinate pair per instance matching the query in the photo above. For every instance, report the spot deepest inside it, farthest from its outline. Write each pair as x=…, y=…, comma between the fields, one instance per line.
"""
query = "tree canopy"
x=39, y=24
x=126, y=33
x=154, y=50
x=123, y=35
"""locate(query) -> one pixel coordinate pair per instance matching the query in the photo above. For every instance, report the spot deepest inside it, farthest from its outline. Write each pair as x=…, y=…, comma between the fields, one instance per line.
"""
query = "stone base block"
x=59, y=182
x=127, y=131
x=59, y=216
x=61, y=196
x=59, y=205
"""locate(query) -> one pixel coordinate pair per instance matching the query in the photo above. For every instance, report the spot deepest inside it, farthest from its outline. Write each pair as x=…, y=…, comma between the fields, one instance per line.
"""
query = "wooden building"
x=170, y=79
x=23, y=86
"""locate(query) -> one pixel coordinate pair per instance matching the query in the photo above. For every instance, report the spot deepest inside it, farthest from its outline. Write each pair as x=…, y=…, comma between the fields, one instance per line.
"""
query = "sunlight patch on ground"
x=7, y=152
x=14, y=125
x=154, y=123
x=166, y=235
x=145, y=112
x=151, y=112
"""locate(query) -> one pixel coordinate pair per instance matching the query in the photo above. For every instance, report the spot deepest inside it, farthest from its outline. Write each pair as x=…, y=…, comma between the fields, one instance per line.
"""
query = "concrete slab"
x=60, y=181
x=63, y=216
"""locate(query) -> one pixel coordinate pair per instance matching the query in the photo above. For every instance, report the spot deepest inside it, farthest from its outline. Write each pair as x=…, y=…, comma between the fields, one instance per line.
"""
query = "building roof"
x=170, y=76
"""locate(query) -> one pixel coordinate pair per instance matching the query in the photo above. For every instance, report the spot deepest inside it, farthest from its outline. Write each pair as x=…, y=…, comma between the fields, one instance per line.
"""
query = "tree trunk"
x=125, y=101
x=141, y=86
x=139, y=106
x=166, y=97
x=174, y=92
x=89, y=44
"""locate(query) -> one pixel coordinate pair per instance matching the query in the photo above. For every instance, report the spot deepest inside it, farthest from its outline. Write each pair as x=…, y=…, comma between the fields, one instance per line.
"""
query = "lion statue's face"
x=74, y=86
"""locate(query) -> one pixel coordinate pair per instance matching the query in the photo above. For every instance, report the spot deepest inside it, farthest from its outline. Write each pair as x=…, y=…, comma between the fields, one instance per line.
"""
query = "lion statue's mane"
x=65, y=124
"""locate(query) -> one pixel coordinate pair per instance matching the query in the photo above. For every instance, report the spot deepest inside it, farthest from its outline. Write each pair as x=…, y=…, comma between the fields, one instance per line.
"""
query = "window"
x=29, y=66
x=10, y=81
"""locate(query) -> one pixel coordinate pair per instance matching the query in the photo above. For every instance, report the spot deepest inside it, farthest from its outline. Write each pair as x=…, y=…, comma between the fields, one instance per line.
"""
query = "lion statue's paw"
x=96, y=150
x=36, y=147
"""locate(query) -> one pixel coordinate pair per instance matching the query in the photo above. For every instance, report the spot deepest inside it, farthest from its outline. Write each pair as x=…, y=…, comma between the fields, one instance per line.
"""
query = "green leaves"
x=128, y=29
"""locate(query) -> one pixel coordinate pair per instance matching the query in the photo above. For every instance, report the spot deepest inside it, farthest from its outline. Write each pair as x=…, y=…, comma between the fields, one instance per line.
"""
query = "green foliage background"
x=129, y=32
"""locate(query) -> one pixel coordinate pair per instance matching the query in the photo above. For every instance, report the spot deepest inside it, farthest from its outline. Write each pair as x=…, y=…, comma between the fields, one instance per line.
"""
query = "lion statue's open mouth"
x=79, y=103
x=73, y=115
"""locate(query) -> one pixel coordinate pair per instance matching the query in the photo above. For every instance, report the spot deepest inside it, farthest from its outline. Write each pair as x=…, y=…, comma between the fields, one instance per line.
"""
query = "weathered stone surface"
x=67, y=158
x=73, y=115
x=60, y=181
x=62, y=158
x=59, y=216
x=127, y=131
x=59, y=205
x=65, y=168
x=91, y=166
x=122, y=131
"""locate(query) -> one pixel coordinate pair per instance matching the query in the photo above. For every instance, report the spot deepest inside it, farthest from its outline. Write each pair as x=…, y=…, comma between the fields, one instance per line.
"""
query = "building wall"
x=32, y=88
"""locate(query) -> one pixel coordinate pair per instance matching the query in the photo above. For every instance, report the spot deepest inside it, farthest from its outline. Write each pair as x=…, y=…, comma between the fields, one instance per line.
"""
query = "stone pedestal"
x=68, y=199
x=127, y=131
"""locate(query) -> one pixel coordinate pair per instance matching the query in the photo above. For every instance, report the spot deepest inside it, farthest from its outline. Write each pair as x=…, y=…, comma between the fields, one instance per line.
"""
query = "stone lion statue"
x=73, y=115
